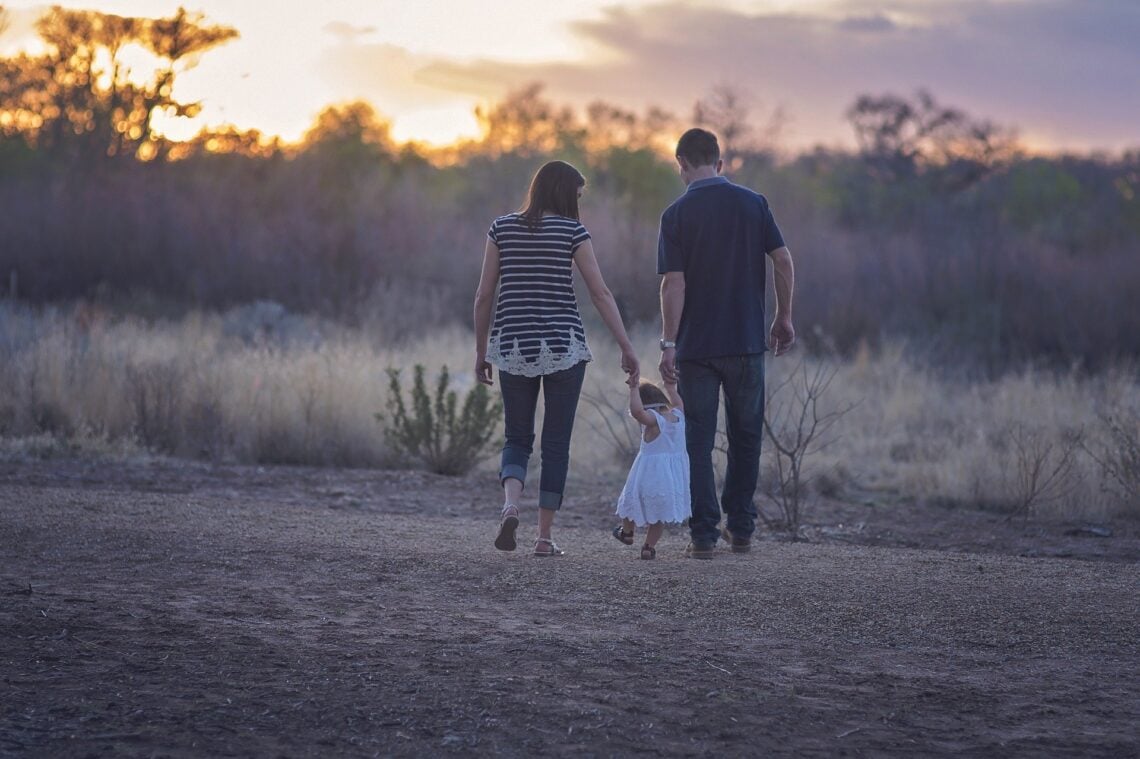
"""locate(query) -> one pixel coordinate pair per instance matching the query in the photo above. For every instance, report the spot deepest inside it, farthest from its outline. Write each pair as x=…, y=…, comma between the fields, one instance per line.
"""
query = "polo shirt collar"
x=698, y=184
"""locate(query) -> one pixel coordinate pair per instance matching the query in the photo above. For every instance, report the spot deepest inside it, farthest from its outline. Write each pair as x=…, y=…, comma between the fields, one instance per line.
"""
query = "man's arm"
x=672, y=304
x=783, y=334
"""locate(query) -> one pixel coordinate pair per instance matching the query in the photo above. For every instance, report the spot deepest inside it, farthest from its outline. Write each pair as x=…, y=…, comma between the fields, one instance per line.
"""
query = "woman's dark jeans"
x=560, y=392
x=701, y=381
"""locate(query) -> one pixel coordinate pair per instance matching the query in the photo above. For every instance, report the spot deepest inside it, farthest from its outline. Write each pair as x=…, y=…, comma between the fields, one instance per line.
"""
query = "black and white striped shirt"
x=537, y=328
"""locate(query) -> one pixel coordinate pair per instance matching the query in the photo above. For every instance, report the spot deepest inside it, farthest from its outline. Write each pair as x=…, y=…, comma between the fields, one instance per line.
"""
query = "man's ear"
x=719, y=165
x=683, y=163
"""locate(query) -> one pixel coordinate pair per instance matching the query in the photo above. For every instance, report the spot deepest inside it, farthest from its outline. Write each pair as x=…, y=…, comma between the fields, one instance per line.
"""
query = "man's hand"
x=783, y=335
x=668, y=365
x=483, y=370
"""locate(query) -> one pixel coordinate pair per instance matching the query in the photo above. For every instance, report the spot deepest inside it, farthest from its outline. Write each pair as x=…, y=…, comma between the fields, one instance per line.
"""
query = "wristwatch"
x=665, y=344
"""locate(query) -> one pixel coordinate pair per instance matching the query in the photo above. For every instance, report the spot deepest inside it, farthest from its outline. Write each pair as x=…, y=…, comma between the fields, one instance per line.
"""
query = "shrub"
x=1119, y=456
x=434, y=434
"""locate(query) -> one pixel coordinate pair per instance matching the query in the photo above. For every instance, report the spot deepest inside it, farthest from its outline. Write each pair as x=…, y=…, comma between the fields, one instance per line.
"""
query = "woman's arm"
x=484, y=299
x=603, y=300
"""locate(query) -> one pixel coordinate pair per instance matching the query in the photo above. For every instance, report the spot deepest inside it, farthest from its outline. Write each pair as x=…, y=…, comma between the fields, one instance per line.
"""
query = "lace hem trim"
x=547, y=361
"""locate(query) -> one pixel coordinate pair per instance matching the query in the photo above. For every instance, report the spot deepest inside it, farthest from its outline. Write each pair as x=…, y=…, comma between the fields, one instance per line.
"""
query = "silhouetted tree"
x=526, y=124
x=78, y=98
x=900, y=137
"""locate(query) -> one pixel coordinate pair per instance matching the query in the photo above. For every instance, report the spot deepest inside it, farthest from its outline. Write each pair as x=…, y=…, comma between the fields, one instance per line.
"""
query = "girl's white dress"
x=657, y=489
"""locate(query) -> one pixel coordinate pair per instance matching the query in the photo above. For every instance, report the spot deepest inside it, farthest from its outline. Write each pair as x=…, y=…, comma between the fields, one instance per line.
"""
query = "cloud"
x=346, y=32
x=1060, y=70
x=875, y=22
x=1063, y=71
x=388, y=75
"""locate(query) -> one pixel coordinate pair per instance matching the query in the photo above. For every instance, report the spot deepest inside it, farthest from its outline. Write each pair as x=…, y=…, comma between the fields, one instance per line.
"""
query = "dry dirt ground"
x=181, y=610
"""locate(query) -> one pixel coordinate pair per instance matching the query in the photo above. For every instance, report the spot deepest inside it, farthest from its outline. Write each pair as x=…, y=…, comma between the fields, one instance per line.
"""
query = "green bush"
x=433, y=434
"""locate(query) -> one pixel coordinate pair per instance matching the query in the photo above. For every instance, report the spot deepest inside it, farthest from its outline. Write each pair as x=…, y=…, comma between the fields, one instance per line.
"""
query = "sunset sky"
x=1066, y=73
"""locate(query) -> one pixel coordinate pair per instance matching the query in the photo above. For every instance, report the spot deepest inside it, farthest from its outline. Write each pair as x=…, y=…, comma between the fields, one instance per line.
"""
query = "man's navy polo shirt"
x=718, y=235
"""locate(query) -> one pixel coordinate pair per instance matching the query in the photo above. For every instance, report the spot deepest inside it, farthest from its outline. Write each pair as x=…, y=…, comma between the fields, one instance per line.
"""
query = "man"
x=711, y=252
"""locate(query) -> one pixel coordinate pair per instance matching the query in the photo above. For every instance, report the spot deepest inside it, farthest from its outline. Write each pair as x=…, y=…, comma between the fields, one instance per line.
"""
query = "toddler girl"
x=657, y=490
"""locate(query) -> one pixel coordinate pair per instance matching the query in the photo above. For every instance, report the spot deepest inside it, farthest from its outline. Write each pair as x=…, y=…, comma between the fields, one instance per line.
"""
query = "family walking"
x=711, y=257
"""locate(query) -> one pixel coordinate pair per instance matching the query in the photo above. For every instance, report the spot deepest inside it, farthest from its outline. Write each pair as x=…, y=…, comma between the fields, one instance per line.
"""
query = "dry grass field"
x=261, y=386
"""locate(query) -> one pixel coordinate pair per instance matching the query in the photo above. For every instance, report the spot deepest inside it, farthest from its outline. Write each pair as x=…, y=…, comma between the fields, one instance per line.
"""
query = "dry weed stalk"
x=1119, y=458
x=623, y=438
x=1044, y=468
x=797, y=428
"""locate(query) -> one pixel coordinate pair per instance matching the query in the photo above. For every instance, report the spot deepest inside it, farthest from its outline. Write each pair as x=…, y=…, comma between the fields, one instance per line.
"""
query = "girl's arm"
x=484, y=299
x=603, y=299
x=637, y=411
x=674, y=397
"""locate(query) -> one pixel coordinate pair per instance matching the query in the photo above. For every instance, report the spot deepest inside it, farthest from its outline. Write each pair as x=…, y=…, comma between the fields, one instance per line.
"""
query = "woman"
x=537, y=339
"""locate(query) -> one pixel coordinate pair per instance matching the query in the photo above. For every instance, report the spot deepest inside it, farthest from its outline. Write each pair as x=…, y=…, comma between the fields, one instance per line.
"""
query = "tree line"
x=938, y=228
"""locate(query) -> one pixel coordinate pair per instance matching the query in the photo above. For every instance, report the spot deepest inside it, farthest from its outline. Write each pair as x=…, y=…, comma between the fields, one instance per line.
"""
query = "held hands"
x=631, y=366
x=783, y=335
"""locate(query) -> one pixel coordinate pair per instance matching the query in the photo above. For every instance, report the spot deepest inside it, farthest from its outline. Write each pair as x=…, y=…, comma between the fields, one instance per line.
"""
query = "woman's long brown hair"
x=554, y=189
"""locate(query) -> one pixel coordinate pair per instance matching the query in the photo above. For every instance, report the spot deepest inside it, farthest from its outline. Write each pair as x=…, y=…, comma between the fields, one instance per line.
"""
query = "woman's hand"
x=631, y=366
x=483, y=370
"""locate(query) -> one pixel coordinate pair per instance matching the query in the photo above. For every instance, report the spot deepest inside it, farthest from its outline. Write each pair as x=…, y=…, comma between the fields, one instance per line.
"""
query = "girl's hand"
x=483, y=370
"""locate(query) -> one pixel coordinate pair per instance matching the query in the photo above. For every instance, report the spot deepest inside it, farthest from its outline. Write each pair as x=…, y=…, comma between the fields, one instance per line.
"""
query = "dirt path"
x=312, y=614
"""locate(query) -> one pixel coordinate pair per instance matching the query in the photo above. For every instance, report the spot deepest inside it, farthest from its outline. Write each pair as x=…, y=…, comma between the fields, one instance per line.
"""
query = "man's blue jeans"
x=560, y=392
x=700, y=385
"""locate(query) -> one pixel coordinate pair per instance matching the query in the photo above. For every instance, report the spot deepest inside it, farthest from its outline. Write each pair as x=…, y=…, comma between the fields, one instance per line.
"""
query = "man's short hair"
x=698, y=147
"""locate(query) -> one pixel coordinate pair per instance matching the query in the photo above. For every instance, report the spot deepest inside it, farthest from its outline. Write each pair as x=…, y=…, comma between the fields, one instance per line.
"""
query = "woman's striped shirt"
x=537, y=328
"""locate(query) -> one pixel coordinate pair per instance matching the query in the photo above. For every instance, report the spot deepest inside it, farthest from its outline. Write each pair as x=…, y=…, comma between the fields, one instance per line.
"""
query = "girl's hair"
x=554, y=189
x=651, y=395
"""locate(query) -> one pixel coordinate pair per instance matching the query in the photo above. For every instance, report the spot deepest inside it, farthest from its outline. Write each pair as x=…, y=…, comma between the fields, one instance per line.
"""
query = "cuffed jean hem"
x=513, y=470
x=549, y=500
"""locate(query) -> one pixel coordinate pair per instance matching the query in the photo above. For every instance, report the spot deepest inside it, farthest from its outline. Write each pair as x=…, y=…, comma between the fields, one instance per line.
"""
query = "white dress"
x=657, y=489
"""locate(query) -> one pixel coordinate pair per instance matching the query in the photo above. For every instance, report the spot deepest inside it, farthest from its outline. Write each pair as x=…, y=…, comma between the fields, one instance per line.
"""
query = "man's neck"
x=702, y=172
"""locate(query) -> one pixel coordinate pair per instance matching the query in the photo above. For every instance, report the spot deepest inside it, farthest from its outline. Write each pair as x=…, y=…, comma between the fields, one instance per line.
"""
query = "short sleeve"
x=772, y=237
x=493, y=232
x=581, y=234
x=670, y=255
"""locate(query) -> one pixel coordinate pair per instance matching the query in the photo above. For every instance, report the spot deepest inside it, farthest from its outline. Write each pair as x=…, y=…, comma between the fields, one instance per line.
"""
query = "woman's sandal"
x=648, y=552
x=552, y=548
x=623, y=536
x=505, y=540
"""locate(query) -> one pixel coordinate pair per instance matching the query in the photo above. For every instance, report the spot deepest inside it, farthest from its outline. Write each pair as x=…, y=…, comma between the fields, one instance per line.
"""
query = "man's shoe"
x=700, y=551
x=739, y=545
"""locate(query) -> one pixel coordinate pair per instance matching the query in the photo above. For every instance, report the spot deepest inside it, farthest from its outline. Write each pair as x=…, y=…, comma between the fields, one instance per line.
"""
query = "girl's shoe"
x=505, y=540
x=648, y=552
x=622, y=535
x=547, y=547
